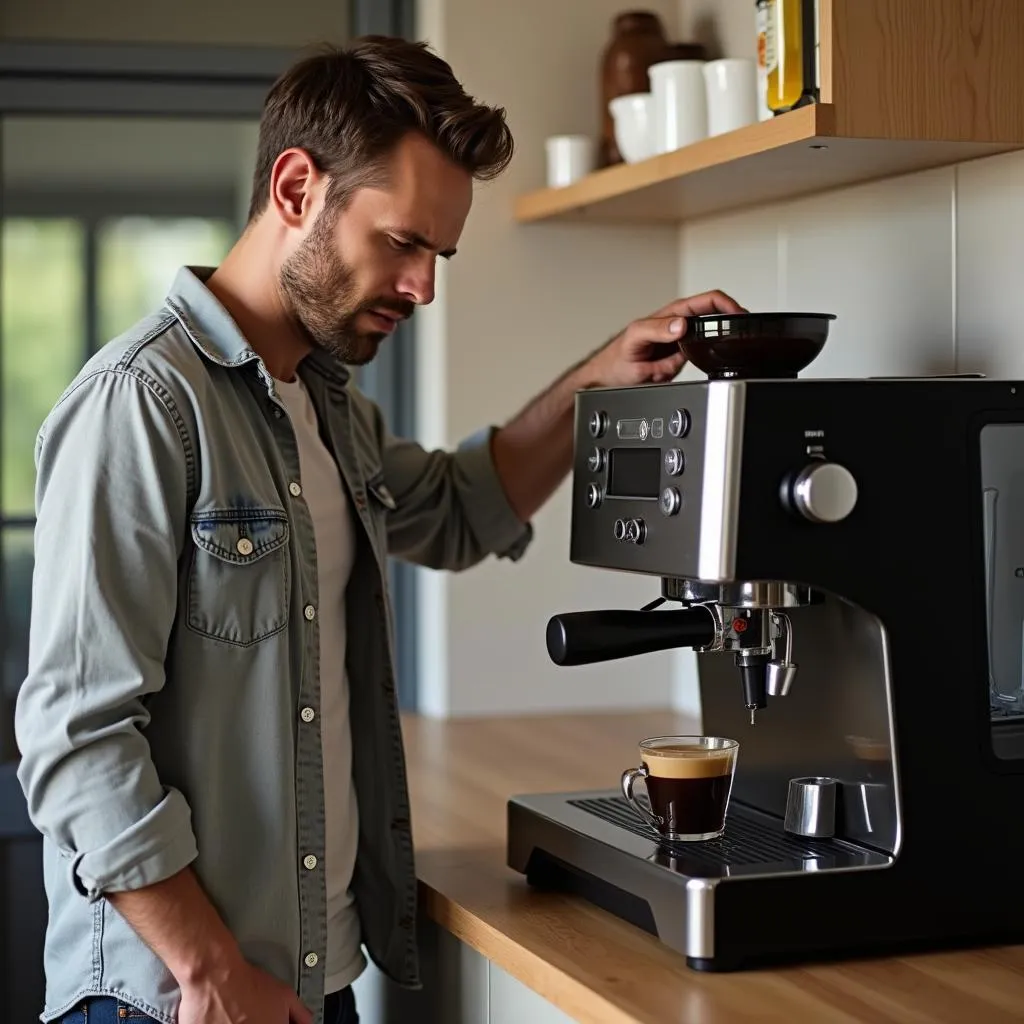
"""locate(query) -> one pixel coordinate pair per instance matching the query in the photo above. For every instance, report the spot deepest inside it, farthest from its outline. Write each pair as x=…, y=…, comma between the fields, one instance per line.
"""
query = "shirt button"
x=295, y=489
x=310, y=612
x=312, y=959
x=309, y=861
x=244, y=546
x=307, y=714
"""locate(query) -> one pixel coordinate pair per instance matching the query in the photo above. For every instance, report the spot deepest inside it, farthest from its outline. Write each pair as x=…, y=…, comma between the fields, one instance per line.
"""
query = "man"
x=210, y=739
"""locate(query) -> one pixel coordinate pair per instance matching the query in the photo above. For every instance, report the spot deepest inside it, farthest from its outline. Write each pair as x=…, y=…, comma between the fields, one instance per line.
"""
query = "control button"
x=311, y=960
x=636, y=531
x=657, y=428
x=596, y=459
x=619, y=529
x=679, y=423
x=307, y=714
x=674, y=461
x=244, y=546
x=294, y=489
x=309, y=862
x=671, y=500
x=825, y=492
x=643, y=429
x=598, y=423
x=310, y=612
x=593, y=495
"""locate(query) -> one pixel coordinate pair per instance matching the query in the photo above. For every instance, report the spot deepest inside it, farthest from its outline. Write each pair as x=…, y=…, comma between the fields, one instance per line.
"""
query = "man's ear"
x=294, y=184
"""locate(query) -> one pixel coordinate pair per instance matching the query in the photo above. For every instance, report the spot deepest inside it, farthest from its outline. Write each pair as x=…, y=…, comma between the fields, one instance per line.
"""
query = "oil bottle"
x=788, y=52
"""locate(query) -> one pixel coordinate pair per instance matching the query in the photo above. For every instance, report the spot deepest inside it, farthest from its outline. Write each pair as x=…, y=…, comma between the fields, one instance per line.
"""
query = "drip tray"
x=747, y=840
x=591, y=827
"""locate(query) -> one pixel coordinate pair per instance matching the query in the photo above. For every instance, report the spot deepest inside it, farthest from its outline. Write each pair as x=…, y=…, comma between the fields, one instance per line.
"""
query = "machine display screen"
x=634, y=473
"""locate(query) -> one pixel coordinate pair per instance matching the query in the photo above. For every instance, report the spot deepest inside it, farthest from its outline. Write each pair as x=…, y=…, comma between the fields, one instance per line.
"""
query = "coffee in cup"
x=688, y=780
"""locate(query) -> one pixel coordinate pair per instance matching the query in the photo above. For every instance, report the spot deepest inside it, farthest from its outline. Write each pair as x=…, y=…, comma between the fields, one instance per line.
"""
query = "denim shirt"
x=170, y=713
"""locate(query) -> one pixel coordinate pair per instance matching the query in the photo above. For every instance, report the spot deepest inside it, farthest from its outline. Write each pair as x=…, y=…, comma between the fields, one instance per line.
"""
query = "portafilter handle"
x=582, y=638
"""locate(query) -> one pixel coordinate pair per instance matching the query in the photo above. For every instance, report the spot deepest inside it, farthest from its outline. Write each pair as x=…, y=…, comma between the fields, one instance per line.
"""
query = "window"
x=70, y=283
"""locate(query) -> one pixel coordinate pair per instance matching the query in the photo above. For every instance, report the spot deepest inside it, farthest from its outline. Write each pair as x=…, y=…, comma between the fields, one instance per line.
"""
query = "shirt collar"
x=215, y=333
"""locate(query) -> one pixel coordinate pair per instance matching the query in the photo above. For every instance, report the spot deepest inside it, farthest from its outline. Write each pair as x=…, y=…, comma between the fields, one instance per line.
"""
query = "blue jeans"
x=339, y=1008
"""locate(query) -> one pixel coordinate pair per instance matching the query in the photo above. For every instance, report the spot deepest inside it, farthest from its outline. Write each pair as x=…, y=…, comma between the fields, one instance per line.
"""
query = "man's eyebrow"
x=425, y=243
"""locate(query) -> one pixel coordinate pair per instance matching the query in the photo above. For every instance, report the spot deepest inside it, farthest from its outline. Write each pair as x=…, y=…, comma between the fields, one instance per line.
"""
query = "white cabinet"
x=459, y=987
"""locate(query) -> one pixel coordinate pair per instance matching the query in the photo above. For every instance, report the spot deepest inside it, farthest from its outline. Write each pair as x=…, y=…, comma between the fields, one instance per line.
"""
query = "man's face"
x=363, y=269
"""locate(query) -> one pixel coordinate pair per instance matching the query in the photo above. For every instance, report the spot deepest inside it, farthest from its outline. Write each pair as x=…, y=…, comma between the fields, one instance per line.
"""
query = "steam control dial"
x=824, y=492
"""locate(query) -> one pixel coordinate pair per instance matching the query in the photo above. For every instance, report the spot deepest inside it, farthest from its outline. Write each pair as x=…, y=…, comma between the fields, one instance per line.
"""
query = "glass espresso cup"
x=688, y=780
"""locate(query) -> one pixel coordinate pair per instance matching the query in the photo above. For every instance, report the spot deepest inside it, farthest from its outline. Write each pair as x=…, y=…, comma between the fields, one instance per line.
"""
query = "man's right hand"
x=242, y=994
x=218, y=985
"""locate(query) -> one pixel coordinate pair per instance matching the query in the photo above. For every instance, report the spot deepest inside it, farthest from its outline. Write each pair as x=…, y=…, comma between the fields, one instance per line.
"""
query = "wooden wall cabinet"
x=906, y=85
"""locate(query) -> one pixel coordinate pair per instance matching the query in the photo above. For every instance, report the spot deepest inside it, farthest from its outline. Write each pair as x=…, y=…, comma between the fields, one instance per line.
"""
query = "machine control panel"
x=638, y=475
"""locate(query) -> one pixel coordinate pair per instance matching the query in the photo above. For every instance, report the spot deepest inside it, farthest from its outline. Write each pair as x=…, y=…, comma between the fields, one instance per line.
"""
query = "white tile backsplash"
x=925, y=272
x=990, y=266
x=879, y=256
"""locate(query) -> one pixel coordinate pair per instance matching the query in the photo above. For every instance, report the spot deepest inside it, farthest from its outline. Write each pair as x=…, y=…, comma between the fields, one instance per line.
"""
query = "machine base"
x=592, y=845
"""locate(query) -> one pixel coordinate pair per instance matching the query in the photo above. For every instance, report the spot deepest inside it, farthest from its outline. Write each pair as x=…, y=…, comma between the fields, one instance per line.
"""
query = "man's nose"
x=417, y=283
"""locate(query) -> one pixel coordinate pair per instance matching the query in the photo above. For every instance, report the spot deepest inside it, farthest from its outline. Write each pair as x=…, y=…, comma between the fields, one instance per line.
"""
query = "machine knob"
x=679, y=423
x=595, y=460
x=671, y=500
x=598, y=423
x=674, y=461
x=824, y=492
x=636, y=531
x=593, y=495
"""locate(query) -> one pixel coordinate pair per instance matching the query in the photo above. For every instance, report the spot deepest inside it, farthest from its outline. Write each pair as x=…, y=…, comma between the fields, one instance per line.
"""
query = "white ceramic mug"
x=731, y=94
x=633, y=121
x=680, y=103
x=570, y=157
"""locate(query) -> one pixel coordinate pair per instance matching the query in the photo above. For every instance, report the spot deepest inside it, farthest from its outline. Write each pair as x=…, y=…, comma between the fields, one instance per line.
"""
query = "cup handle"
x=629, y=778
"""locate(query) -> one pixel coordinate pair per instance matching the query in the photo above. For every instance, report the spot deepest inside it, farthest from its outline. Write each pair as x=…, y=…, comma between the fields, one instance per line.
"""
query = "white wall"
x=517, y=306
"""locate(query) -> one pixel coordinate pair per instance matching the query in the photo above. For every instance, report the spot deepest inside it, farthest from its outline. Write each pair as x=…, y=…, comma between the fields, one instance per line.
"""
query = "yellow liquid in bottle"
x=785, y=54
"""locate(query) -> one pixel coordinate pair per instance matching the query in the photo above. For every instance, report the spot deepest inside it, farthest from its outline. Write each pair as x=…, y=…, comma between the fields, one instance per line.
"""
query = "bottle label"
x=763, y=110
x=762, y=34
x=771, y=52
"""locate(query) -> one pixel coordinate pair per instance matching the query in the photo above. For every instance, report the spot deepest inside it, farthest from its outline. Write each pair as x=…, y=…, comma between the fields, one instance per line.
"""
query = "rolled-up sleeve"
x=451, y=508
x=112, y=483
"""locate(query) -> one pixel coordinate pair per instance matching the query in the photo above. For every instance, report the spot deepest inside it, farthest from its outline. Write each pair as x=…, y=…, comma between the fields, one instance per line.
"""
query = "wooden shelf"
x=885, y=110
x=794, y=154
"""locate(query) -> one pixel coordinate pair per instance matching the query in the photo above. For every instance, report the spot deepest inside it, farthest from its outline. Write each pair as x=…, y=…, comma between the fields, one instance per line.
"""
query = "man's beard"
x=319, y=290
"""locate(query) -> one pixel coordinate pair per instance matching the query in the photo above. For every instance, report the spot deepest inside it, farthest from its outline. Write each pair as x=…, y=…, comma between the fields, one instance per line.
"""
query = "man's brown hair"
x=348, y=108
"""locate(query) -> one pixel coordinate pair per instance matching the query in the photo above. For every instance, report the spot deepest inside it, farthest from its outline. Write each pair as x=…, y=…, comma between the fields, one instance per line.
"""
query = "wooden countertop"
x=598, y=969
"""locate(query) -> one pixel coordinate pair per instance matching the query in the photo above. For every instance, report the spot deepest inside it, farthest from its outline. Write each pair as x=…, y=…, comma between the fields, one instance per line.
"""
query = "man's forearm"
x=533, y=451
x=176, y=919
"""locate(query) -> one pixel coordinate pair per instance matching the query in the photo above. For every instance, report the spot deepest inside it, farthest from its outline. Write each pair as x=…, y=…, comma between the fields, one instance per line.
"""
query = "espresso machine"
x=846, y=557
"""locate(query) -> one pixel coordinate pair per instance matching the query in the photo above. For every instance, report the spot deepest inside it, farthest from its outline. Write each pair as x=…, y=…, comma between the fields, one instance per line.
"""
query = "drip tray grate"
x=748, y=839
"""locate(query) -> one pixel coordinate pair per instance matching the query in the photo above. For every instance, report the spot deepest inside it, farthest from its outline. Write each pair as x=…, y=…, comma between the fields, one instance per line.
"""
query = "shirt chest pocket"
x=238, y=580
